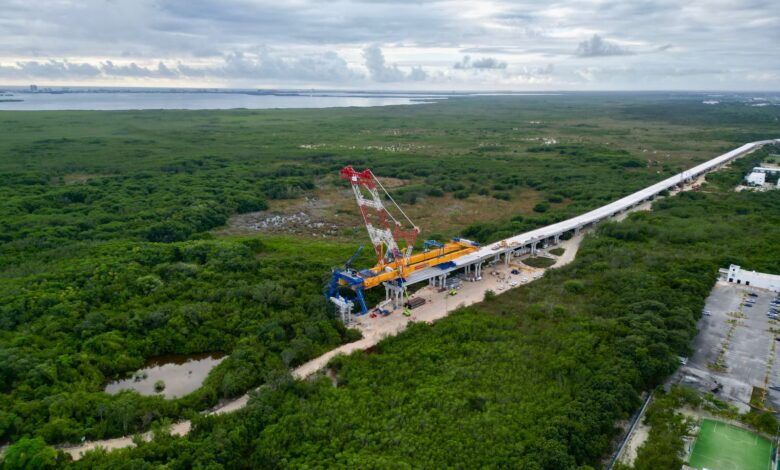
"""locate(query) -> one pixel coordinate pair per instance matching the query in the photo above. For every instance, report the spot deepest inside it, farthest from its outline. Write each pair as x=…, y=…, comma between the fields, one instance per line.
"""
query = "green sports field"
x=721, y=446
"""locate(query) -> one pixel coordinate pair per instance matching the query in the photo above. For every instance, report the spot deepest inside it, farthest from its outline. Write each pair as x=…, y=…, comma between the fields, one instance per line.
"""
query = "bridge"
x=530, y=242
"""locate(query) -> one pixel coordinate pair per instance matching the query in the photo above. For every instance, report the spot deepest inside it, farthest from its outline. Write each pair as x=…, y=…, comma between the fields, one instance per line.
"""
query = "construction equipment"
x=393, y=244
x=415, y=302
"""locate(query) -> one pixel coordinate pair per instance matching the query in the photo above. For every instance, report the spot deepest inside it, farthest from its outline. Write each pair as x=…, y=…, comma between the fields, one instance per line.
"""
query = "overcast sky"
x=389, y=45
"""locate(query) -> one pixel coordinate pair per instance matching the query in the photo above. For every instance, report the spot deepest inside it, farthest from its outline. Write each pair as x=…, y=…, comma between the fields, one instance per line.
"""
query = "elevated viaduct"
x=529, y=242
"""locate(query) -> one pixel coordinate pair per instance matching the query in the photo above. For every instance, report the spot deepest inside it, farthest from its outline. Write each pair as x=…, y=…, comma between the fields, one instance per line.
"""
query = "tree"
x=29, y=454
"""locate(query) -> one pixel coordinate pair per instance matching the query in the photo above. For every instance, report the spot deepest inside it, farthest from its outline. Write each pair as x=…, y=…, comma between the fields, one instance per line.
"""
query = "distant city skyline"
x=393, y=45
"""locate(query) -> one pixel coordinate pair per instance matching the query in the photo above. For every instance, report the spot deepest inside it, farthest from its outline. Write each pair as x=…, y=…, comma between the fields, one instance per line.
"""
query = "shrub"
x=575, y=286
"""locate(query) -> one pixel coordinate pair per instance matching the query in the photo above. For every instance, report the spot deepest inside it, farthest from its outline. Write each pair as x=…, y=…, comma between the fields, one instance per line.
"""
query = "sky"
x=447, y=45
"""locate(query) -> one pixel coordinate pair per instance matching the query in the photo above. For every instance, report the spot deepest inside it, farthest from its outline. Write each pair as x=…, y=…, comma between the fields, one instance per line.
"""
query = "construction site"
x=449, y=267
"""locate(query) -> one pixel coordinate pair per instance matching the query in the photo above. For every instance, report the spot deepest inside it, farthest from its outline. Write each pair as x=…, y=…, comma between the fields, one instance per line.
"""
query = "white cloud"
x=380, y=71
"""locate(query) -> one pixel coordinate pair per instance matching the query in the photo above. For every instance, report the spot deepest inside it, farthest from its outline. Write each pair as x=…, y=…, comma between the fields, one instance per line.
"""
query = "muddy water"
x=181, y=374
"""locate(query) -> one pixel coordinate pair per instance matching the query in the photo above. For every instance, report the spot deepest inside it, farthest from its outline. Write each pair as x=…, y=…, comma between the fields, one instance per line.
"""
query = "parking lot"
x=733, y=348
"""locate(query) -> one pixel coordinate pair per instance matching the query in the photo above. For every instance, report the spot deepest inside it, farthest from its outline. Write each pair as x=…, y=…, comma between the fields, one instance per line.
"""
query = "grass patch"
x=539, y=262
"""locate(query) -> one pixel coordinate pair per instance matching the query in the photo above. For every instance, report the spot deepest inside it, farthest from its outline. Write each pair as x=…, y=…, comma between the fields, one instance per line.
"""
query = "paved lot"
x=734, y=345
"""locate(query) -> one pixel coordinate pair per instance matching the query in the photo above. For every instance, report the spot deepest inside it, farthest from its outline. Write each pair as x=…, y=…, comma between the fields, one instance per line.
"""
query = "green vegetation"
x=664, y=445
x=110, y=255
x=31, y=454
x=539, y=262
x=542, y=372
x=98, y=311
x=558, y=251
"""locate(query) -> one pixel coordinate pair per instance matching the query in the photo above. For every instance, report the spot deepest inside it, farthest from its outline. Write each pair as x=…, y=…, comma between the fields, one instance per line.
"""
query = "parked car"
x=707, y=313
x=748, y=305
x=753, y=294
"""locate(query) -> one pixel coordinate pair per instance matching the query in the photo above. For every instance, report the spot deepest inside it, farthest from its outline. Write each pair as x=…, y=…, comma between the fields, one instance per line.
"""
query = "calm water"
x=181, y=374
x=120, y=101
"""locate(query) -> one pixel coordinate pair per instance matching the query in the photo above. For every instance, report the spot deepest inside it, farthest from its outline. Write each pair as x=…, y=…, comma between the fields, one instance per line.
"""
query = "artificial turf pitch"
x=721, y=446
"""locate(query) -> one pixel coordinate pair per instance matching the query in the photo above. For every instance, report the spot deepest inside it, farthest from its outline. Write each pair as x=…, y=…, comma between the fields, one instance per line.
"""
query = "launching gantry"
x=393, y=245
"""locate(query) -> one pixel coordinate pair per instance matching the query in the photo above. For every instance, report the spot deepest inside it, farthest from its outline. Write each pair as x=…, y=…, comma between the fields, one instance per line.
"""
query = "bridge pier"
x=394, y=293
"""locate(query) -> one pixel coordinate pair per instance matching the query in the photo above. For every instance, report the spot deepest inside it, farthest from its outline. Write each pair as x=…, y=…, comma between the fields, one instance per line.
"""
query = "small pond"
x=181, y=375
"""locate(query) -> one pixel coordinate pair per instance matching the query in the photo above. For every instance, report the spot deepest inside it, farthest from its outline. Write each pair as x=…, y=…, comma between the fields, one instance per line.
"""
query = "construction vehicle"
x=393, y=244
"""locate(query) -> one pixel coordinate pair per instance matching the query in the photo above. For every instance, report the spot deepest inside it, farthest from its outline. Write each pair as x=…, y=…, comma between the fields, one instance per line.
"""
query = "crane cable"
x=393, y=201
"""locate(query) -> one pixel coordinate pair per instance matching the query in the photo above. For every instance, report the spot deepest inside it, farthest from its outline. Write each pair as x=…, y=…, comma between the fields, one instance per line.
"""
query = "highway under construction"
x=393, y=240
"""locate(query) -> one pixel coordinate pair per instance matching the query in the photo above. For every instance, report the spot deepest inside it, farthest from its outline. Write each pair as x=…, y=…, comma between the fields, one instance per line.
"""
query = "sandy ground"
x=498, y=279
x=638, y=437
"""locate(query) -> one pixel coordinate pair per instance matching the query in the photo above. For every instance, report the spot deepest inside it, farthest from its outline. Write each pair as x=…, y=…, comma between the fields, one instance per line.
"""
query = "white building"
x=756, y=179
x=736, y=275
x=764, y=169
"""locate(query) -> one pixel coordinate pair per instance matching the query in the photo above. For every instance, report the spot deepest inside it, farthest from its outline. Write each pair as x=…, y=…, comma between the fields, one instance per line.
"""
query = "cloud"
x=262, y=64
x=109, y=69
x=270, y=64
x=485, y=63
x=51, y=69
x=598, y=47
x=380, y=71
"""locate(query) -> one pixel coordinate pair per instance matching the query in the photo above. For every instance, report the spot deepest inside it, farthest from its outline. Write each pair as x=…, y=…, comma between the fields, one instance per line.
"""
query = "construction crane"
x=393, y=245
